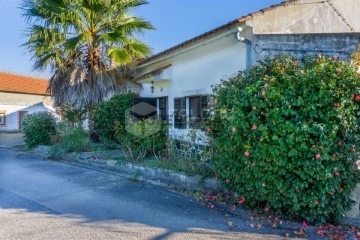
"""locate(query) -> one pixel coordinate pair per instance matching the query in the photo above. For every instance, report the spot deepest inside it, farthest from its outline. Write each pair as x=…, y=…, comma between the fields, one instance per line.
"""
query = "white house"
x=20, y=96
x=179, y=79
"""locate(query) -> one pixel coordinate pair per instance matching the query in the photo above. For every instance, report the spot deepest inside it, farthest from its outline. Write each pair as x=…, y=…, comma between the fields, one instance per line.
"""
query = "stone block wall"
x=300, y=45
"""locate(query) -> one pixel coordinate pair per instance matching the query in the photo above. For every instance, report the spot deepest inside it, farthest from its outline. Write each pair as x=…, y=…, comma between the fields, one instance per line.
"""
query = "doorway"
x=22, y=115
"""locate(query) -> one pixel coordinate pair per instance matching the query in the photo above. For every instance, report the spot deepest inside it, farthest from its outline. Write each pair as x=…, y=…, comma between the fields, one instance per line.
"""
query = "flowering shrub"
x=285, y=135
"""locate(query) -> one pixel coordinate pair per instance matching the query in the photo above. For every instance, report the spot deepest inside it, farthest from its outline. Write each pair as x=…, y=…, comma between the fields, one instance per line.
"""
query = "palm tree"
x=90, y=46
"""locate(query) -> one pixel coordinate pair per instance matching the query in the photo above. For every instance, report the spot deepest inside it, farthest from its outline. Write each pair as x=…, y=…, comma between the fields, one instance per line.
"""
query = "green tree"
x=89, y=46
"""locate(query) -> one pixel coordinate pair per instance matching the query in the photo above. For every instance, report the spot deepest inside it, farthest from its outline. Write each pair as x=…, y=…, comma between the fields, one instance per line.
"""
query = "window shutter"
x=180, y=113
x=205, y=114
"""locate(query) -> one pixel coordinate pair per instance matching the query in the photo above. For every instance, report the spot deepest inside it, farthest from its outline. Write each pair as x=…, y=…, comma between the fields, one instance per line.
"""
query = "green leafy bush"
x=71, y=115
x=38, y=129
x=285, y=135
x=104, y=116
x=71, y=140
x=141, y=138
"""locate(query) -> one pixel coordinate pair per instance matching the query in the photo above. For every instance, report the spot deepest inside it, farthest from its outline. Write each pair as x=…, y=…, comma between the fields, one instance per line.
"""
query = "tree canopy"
x=89, y=46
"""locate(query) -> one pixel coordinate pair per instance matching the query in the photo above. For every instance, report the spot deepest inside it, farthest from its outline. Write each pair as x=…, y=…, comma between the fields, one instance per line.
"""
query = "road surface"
x=41, y=199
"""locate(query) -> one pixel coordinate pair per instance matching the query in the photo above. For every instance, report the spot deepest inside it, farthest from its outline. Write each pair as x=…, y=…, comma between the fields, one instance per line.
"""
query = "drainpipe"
x=248, y=46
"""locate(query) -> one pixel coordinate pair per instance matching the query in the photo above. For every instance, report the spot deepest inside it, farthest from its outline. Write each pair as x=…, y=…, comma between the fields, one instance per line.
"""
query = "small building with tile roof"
x=20, y=96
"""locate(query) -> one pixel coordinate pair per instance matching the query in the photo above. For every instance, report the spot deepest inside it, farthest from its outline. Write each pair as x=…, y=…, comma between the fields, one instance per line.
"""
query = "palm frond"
x=88, y=44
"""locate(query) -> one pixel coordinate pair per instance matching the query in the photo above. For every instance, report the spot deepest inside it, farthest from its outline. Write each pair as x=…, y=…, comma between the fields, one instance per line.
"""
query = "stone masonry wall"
x=300, y=45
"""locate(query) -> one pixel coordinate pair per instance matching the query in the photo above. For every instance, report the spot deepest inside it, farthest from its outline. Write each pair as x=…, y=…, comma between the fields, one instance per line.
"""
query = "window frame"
x=203, y=114
x=3, y=124
x=182, y=124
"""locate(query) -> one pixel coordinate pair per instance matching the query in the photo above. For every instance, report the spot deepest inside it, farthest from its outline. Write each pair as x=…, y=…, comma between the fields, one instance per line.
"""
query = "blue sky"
x=175, y=21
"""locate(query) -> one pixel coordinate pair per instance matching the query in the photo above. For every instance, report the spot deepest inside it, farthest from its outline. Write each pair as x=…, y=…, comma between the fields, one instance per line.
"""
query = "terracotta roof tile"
x=23, y=84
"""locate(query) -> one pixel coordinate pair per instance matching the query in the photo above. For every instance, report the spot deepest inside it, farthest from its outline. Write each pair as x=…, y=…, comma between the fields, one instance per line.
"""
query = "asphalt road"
x=41, y=199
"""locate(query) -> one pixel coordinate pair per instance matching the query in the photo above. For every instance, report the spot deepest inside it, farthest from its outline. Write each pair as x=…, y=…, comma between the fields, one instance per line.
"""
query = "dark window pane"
x=194, y=112
x=180, y=113
x=163, y=109
x=144, y=108
x=2, y=118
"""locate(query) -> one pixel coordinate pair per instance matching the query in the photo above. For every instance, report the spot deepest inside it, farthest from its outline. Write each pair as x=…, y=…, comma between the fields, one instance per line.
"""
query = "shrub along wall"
x=38, y=129
x=106, y=115
x=285, y=135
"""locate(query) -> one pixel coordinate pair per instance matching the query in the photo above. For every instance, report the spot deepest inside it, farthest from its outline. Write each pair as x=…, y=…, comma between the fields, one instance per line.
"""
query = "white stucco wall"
x=12, y=103
x=193, y=72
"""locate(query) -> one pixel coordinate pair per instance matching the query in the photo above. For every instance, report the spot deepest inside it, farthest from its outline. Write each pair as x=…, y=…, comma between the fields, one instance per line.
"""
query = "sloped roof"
x=214, y=32
x=22, y=84
x=153, y=72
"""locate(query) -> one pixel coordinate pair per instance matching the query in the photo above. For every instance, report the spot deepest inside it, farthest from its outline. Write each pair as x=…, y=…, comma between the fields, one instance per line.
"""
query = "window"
x=2, y=118
x=180, y=113
x=198, y=113
x=163, y=108
x=143, y=108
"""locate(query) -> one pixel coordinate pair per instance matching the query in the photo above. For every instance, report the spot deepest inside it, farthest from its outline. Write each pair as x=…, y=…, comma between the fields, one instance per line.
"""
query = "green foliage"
x=285, y=135
x=38, y=129
x=104, y=116
x=71, y=115
x=141, y=138
x=71, y=140
x=90, y=46
x=190, y=154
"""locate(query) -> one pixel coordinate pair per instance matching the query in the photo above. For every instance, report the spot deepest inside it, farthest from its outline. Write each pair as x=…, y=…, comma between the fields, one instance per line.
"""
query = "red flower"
x=242, y=200
x=227, y=180
x=208, y=129
x=317, y=156
x=266, y=85
x=247, y=153
x=316, y=202
x=337, y=105
x=357, y=98
x=340, y=144
x=254, y=127
x=266, y=209
x=336, y=173
x=305, y=224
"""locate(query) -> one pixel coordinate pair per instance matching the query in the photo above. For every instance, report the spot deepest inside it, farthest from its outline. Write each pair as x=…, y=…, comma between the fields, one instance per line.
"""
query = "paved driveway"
x=9, y=140
x=42, y=199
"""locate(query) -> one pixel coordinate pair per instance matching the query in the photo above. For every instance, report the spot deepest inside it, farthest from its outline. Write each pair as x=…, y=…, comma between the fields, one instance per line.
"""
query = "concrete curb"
x=156, y=175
